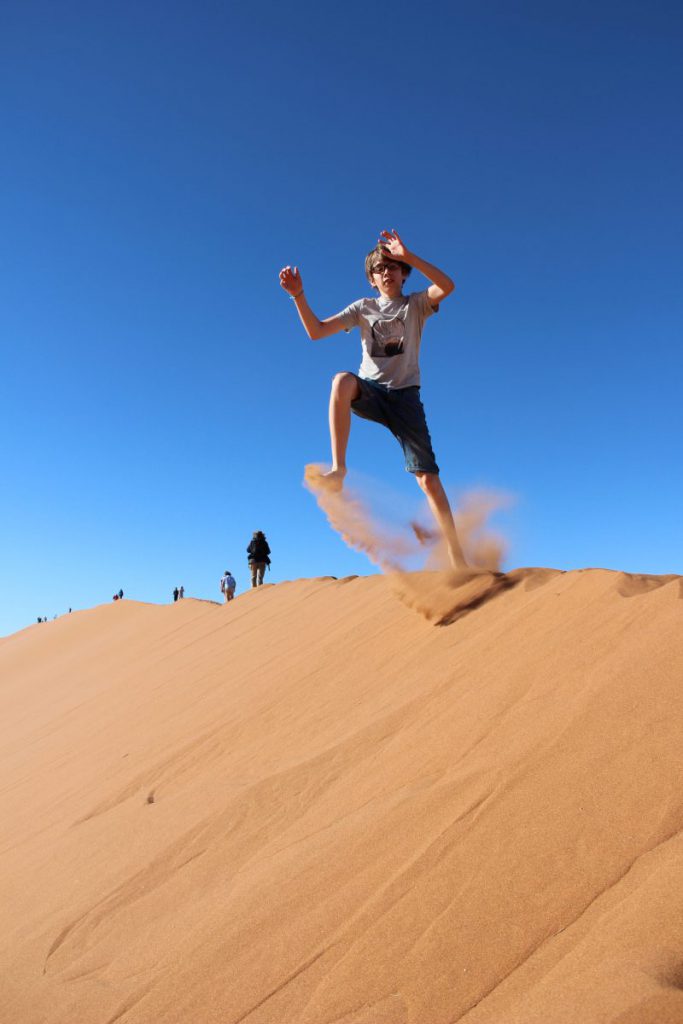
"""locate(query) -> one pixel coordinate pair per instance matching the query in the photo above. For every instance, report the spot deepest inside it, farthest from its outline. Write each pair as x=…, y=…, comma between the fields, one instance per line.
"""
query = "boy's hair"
x=379, y=255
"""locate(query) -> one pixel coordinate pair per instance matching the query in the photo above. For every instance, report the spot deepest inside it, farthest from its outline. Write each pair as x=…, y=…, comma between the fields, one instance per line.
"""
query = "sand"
x=317, y=804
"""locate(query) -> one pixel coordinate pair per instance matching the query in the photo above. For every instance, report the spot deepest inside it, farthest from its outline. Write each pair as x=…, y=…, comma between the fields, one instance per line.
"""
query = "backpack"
x=259, y=550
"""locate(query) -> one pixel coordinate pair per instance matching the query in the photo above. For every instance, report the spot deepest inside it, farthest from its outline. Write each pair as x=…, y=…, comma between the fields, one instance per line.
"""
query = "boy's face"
x=387, y=277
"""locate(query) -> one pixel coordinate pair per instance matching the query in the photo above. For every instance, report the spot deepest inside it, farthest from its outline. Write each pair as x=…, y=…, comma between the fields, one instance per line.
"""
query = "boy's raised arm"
x=441, y=285
x=290, y=279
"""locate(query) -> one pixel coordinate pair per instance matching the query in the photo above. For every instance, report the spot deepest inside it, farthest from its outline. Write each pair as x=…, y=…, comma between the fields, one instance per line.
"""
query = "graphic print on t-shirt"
x=388, y=334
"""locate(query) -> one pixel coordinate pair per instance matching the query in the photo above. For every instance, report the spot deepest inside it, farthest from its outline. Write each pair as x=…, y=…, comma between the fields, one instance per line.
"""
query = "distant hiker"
x=181, y=593
x=228, y=584
x=258, y=559
x=386, y=388
x=115, y=597
x=120, y=595
x=175, y=593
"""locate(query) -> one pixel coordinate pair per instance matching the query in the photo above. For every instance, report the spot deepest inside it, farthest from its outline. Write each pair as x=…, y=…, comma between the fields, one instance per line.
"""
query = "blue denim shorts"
x=401, y=410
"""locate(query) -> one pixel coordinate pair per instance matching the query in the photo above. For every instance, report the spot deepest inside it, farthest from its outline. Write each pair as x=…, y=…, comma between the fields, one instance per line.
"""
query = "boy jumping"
x=387, y=386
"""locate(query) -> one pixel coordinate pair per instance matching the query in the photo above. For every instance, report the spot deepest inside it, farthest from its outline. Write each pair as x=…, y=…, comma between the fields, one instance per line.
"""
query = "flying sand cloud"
x=435, y=590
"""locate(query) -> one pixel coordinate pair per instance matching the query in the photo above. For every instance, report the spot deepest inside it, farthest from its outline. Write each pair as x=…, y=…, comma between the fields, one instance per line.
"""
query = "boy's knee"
x=345, y=385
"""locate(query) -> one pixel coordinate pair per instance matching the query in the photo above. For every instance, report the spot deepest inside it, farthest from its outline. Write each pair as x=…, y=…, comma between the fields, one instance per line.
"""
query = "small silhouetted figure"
x=181, y=593
x=115, y=597
x=175, y=593
x=120, y=595
x=39, y=619
x=258, y=552
x=228, y=584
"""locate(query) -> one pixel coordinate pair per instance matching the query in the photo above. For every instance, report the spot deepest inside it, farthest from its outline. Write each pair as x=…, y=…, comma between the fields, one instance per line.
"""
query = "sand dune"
x=318, y=805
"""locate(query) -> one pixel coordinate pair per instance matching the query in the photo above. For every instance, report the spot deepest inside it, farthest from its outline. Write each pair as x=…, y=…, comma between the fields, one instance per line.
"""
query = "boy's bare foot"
x=318, y=478
x=334, y=479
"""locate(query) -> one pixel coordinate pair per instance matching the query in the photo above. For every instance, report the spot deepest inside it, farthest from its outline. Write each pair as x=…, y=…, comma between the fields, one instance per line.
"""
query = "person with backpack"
x=258, y=552
x=228, y=584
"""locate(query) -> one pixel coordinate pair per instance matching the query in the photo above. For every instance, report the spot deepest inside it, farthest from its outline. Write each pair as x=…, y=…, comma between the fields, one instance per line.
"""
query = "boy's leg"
x=252, y=567
x=441, y=510
x=345, y=390
x=408, y=424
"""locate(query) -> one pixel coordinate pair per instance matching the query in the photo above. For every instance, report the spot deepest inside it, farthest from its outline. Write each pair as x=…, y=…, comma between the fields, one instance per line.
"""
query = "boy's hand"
x=290, y=279
x=393, y=246
x=441, y=285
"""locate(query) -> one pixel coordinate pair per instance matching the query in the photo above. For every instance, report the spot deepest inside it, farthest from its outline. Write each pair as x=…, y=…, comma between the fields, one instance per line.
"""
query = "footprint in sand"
x=444, y=597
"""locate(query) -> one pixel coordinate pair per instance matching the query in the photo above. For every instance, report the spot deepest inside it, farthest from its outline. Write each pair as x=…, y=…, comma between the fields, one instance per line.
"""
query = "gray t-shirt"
x=390, y=331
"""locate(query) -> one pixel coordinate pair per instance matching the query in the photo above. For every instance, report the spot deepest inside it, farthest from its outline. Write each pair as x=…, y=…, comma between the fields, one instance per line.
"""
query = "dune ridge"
x=315, y=806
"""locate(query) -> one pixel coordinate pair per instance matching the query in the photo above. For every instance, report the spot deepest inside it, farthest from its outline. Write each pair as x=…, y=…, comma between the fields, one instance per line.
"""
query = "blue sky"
x=159, y=399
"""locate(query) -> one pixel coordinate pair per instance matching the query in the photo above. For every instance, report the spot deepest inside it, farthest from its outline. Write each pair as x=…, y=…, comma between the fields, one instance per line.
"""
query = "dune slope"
x=315, y=805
